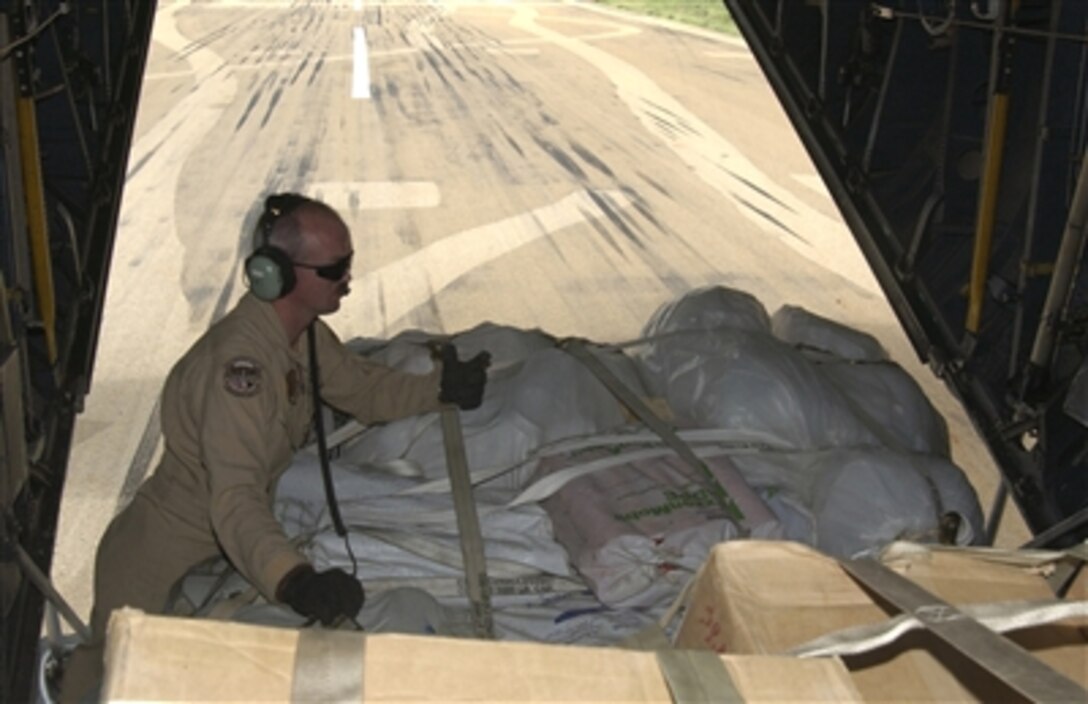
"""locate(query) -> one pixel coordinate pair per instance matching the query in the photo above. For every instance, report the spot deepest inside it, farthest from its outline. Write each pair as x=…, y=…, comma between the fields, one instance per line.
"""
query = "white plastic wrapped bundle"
x=861, y=505
x=799, y=327
x=409, y=351
x=398, y=536
x=547, y=397
x=784, y=481
x=507, y=345
x=556, y=393
x=890, y=401
x=634, y=530
x=492, y=437
x=517, y=543
x=406, y=352
x=709, y=308
x=414, y=612
x=753, y=383
x=699, y=312
x=573, y=618
x=956, y=494
x=862, y=501
x=847, y=502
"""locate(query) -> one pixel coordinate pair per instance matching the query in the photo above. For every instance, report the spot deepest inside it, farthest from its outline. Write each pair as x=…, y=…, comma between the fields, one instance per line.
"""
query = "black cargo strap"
x=328, y=666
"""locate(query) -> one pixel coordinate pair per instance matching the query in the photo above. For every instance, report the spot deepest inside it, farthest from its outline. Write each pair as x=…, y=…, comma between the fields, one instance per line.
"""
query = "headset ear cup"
x=270, y=273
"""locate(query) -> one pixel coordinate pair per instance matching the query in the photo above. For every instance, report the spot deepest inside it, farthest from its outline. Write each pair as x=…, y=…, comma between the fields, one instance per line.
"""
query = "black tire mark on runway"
x=759, y=190
x=639, y=204
x=301, y=67
x=441, y=54
x=135, y=168
x=610, y=211
x=199, y=43
x=669, y=128
x=561, y=157
x=559, y=250
x=266, y=82
x=317, y=69
x=655, y=185
x=511, y=141
x=594, y=221
x=272, y=105
x=591, y=159
x=665, y=116
x=770, y=218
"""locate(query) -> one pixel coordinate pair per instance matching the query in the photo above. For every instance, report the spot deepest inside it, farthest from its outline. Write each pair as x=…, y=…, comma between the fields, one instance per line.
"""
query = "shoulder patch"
x=242, y=376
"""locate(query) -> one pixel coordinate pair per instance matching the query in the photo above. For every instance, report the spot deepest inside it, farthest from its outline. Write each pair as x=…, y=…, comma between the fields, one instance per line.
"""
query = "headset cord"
x=323, y=452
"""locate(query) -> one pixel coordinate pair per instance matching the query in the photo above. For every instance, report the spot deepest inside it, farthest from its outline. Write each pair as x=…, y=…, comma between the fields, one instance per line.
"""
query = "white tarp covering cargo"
x=591, y=524
x=638, y=531
x=402, y=537
x=536, y=394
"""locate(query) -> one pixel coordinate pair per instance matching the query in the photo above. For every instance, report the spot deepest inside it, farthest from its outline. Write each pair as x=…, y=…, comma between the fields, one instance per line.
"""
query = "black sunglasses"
x=331, y=272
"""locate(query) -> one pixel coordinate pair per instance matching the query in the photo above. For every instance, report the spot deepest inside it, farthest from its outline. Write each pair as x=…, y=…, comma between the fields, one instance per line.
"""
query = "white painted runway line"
x=360, y=77
x=513, y=52
x=745, y=55
x=398, y=288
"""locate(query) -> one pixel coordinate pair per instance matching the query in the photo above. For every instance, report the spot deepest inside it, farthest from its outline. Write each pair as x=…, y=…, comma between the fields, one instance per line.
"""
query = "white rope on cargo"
x=448, y=557
x=1000, y=617
x=724, y=438
x=454, y=587
x=550, y=484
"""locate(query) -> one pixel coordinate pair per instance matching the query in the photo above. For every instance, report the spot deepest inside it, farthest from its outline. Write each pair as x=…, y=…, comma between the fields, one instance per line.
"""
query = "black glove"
x=463, y=382
x=325, y=596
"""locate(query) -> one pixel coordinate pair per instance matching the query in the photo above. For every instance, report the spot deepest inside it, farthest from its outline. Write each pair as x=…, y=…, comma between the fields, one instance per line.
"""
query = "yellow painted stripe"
x=980, y=264
x=36, y=222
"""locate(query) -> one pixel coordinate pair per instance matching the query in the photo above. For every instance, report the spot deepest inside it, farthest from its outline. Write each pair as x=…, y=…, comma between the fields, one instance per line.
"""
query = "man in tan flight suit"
x=235, y=408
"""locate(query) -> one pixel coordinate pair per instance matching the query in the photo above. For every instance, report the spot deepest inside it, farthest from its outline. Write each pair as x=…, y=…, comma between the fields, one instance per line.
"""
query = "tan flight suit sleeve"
x=238, y=438
x=370, y=391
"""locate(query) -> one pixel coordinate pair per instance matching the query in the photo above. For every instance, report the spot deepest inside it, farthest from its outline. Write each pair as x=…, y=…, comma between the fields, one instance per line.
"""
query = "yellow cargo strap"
x=578, y=350
x=468, y=523
x=697, y=676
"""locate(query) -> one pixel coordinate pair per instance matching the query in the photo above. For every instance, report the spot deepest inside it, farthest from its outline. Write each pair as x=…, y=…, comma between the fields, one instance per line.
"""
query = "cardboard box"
x=758, y=597
x=175, y=659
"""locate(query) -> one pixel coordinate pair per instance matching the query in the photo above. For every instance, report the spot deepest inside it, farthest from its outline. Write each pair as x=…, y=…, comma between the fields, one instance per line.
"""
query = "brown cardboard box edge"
x=770, y=596
x=175, y=659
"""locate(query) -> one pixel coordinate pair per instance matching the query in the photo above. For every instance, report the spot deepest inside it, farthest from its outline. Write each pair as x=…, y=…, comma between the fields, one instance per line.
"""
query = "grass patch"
x=708, y=14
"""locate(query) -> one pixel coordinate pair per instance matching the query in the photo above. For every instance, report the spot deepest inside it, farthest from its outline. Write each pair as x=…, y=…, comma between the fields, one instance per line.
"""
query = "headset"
x=269, y=271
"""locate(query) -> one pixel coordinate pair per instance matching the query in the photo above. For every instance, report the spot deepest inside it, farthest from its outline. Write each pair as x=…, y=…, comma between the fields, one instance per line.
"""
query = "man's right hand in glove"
x=463, y=382
x=325, y=596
